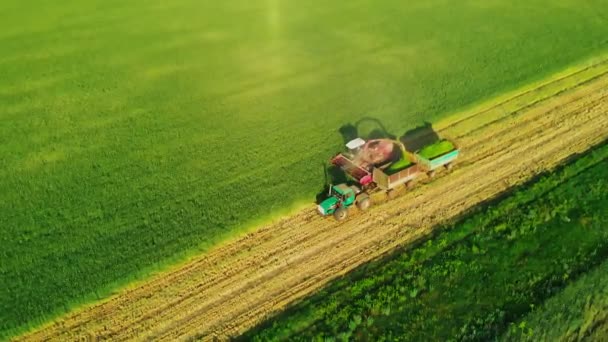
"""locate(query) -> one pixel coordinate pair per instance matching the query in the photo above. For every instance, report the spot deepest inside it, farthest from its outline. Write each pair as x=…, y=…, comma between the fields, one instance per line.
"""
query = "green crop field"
x=579, y=312
x=134, y=133
x=476, y=277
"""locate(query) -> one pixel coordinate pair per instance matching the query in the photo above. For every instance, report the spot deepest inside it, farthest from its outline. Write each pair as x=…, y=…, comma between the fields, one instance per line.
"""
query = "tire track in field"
x=235, y=286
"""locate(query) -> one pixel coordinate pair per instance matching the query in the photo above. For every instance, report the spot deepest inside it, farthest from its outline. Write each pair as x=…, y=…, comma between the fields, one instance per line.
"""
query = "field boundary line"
x=600, y=62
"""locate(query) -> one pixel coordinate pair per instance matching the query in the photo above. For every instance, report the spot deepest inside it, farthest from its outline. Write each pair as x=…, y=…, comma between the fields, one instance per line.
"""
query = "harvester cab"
x=355, y=145
x=341, y=197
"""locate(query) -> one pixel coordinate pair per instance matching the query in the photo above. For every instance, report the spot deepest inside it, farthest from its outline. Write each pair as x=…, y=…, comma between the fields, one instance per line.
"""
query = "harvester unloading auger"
x=376, y=165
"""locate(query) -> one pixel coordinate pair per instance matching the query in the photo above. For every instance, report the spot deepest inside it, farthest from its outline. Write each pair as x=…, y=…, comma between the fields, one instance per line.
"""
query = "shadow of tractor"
x=333, y=175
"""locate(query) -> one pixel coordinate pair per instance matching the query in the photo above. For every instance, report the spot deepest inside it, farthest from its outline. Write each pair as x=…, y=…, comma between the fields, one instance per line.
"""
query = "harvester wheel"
x=448, y=166
x=340, y=214
x=363, y=203
x=431, y=174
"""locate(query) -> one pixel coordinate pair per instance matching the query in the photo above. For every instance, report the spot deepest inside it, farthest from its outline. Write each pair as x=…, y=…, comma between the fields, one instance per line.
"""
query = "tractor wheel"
x=410, y=185
x=448, y=166
x=363, y=203
x=431, y=174
x=340, y=214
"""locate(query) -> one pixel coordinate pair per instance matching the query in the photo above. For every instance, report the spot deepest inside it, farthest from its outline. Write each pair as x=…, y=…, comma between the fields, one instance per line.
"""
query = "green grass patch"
x=136, y=133
x=577, y=313
x=436, y=149
x=474, y=278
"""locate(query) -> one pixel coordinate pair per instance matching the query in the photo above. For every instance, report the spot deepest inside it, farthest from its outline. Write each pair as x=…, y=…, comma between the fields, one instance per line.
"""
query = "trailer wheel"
x=340, y=214
x=431, y=174
x=448, y=166
x=363, y=203
x=369, y=186
x=410, y=185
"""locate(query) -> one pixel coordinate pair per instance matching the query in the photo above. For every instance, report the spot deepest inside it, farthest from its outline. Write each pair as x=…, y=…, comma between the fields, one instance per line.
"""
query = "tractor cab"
x=341, y=197
x=345, y=194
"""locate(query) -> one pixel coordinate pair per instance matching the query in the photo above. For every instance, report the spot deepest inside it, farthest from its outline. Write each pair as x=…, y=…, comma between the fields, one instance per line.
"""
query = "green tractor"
x=341, y=197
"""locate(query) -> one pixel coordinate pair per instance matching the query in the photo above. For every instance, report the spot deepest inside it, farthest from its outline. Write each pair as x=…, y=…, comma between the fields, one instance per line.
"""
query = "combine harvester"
x=376, y=165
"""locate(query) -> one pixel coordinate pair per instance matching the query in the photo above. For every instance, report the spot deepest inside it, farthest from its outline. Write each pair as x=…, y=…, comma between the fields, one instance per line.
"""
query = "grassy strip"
x=436, y=149
x=473, y=279
x=579, y=311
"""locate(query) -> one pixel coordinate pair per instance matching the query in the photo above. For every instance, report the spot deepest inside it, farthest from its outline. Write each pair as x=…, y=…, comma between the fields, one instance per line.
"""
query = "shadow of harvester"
x=358, y=130
x=417, y=138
